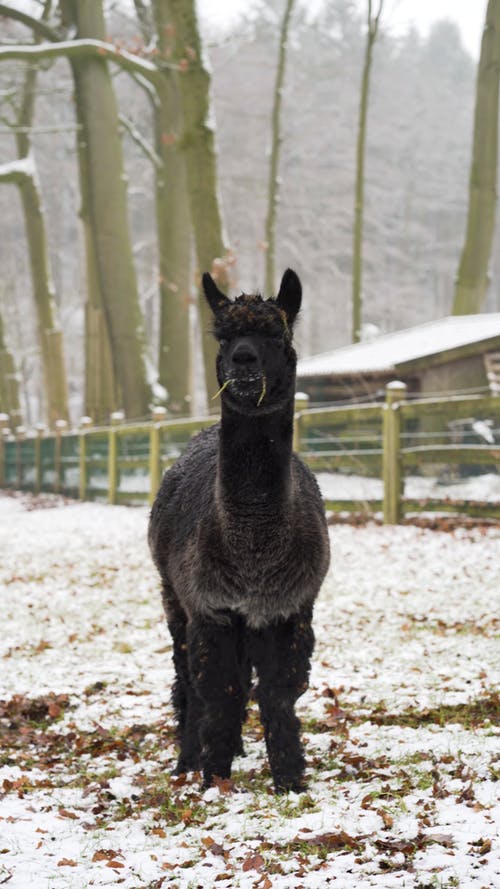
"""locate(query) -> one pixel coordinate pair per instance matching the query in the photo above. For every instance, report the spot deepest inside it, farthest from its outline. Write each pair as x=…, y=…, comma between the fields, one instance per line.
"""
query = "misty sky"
x=469, y=15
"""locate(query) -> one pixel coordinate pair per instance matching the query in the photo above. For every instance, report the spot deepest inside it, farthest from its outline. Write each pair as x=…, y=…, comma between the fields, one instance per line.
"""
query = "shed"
x=451, y=354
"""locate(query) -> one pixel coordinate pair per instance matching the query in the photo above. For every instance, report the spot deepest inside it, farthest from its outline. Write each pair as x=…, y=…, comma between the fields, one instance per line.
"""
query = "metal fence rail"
x=124, y=463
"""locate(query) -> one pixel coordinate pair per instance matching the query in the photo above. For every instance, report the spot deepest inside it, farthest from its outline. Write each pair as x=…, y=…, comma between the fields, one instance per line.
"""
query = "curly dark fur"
x=238, y=534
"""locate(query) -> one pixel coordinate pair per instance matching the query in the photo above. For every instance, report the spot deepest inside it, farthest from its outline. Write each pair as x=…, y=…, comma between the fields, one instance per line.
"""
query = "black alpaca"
x=238, y=534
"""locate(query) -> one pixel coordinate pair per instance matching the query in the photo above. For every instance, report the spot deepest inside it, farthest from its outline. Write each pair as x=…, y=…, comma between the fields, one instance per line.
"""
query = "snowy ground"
x=400, y=722
x=340, y=486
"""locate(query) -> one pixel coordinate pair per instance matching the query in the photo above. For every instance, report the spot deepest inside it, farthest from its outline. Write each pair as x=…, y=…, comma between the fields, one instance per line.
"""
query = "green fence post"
x=40, y=432
x=117, y=418
x=301, y=404
x=159, y=414
x=84, y=426
x=4, y=431
x=395, y=393
x=60, y=426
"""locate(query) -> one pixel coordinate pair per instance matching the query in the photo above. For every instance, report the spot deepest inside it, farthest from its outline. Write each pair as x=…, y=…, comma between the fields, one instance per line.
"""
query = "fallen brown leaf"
x=65, y=814
x=225, y=785
x=105, y=855
x=253, y=862
x=386, y=818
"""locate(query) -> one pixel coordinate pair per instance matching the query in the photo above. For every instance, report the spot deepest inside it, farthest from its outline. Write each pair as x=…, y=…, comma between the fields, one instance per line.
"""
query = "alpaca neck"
x=255, y=456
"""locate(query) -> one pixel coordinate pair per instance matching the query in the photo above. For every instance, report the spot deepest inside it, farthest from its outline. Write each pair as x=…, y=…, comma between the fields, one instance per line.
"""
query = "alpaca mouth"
x=250, y=388
x=244, y=388
x=247, y=386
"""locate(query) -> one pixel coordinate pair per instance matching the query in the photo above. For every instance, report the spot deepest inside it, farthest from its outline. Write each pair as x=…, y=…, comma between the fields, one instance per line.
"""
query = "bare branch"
x=141, y=142
x=57, y=128
x=379, y=14
x=79, y=48
x=38, y=27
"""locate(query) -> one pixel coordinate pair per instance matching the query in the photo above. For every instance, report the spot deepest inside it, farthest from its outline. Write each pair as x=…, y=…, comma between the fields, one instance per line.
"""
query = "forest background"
x=418, y=155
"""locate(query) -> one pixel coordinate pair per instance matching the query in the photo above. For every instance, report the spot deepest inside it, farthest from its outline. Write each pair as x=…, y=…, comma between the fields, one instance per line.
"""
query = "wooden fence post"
x=4, y=431
x=117, y=417
x=159, y=414
x=60, y=426
x=40, y=430
x=301, y=404
x=20, y=433
x=85, y=425
x=395, y=393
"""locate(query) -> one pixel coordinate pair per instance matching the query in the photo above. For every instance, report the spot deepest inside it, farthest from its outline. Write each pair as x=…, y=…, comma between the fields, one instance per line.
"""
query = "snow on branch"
x=18, y=170
x=79, y=48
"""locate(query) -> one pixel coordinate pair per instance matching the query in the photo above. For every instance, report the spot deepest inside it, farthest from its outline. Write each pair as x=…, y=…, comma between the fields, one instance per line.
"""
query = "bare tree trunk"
x=276, y=139
x=101, y=391
x=373, y=22
x=174, y=230
x=108, y=221
x=9, y=385
x=50, y=336
x=198, y=144
x=472, y=278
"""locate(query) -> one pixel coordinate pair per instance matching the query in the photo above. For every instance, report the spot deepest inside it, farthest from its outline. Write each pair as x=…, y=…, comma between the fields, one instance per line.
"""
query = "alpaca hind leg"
x=215, y=674
x=282, y=656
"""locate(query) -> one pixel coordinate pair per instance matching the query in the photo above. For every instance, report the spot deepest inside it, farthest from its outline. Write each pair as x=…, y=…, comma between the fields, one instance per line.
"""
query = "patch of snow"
x=388, y=351
x=340, y=486
x=406, y=624
x=24, y=166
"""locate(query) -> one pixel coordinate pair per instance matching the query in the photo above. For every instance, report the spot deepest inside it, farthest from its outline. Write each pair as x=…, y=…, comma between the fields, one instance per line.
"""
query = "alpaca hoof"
x=208, y=782
x=221, y=779
x=281, y=787
x=185, y=765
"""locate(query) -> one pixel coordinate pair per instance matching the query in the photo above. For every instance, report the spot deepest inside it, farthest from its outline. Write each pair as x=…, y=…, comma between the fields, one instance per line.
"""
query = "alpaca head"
x=256, y=360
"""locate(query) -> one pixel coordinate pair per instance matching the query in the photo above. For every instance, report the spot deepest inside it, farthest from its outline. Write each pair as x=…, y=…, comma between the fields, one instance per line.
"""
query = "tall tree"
x=276, y=138
x=198, y=144
x=101, y=393
x=107, y=213
x=372, y=26
x=9, y=386
x=115, y=319
x=173, y=221
x=170, y=157
x=472, y=278
x=24, y=175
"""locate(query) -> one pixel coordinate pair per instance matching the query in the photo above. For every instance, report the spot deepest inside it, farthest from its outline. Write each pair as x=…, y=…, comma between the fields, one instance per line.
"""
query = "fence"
x=123, y=463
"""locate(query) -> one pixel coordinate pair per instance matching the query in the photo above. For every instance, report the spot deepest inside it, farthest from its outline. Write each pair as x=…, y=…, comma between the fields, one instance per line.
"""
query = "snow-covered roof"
x=391, y=350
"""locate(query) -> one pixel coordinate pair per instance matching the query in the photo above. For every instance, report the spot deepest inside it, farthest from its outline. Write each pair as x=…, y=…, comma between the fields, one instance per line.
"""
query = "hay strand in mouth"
x=262, y=394
x=285, y=323
x=221, y=390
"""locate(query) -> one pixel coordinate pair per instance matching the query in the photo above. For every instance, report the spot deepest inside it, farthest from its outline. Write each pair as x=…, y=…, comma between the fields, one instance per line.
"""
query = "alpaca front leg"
x=190, y=748
x=282, y=656
x=186, y=704
x=215, y=676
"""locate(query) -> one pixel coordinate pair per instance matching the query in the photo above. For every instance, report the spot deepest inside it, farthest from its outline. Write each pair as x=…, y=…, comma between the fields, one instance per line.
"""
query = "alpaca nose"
x=244, y=355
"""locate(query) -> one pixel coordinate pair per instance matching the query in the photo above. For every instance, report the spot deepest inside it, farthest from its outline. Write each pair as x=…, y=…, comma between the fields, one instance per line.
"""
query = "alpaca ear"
x=290, y=295
x=215, y=298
